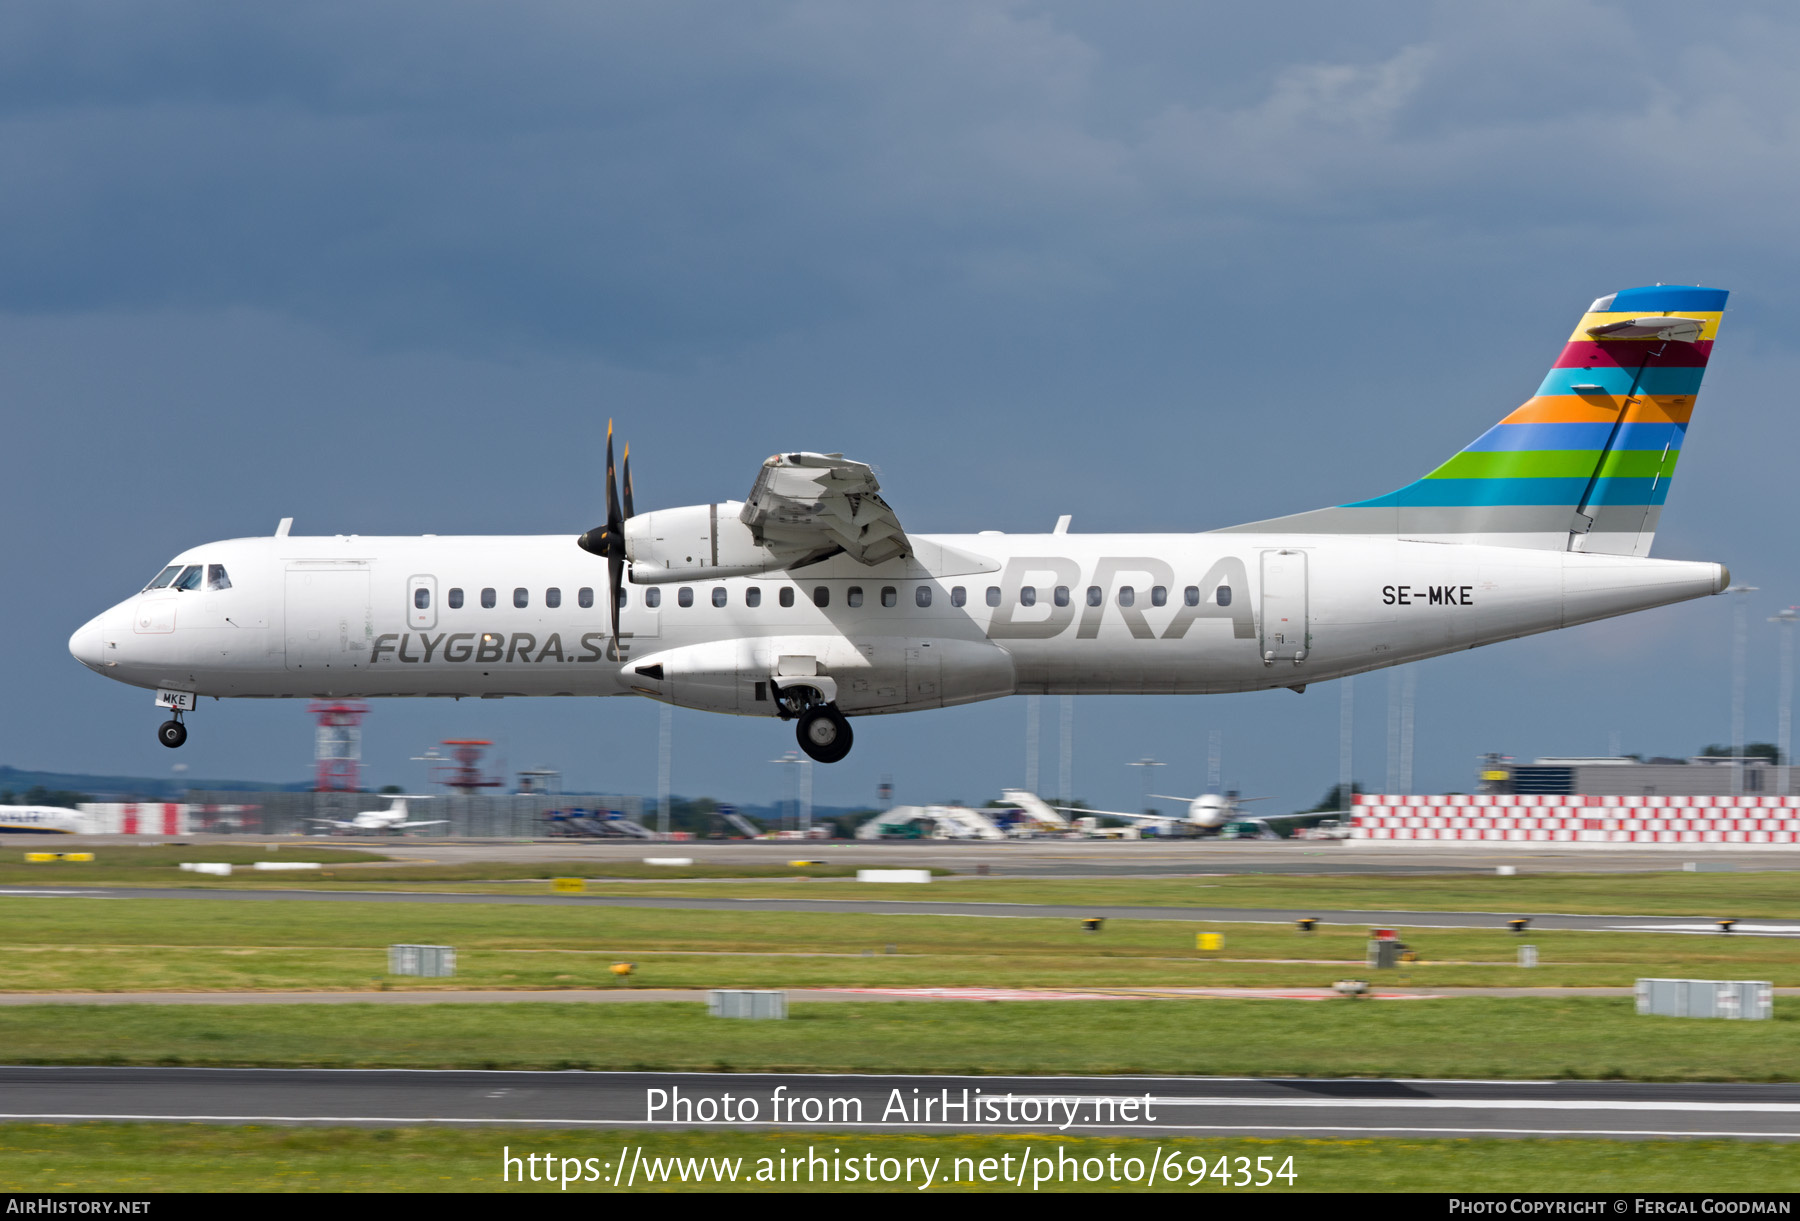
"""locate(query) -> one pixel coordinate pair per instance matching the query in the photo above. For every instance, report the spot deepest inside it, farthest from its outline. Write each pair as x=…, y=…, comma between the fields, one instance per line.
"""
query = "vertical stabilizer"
x=1585, y=463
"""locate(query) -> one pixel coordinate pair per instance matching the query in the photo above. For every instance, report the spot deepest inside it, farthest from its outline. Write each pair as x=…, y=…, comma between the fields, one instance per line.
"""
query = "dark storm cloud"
x=1162, y=265
x=645, y=179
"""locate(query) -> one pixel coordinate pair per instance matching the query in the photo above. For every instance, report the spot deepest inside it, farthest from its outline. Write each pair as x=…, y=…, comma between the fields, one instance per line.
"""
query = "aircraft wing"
x=435, y=822
x=1302, y=814
x=334, y=822
x=816, y=505
x=1121, y=814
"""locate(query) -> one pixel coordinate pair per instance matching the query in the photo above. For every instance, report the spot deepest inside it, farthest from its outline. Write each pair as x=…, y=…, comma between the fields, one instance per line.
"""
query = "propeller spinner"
x=608, y=541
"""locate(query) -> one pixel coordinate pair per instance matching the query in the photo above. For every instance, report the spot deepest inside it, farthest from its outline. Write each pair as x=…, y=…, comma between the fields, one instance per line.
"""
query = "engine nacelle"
x=695, y=543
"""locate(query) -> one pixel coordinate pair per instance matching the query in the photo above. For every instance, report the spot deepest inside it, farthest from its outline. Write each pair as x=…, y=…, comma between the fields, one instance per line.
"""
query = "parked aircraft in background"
x=43, y=820
x=377, y=822
x=808, y=602
x=1208, y=813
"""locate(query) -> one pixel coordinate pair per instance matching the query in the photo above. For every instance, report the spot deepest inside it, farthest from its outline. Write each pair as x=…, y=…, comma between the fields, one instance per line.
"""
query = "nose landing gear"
x=172, y=733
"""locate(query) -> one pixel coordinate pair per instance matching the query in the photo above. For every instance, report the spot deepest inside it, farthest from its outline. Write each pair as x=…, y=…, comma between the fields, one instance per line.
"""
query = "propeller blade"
x=608, y=539
x=615, y=570
x=614, y=517
x=629, y=511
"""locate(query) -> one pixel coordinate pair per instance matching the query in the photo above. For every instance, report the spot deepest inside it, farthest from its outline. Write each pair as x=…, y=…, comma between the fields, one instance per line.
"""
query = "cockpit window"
x=216, y=578
x=164, y=577
x=189, y=578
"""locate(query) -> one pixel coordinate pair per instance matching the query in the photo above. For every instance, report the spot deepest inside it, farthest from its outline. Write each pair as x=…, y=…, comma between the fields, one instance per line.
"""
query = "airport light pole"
x=1393, y=732
x=1346, y=739
x=1066, y=758
x=1031, y=743
x=1785, y=622
x=1409, y=692
x=1144, y=765
x=662, y=771
x=792, y=760
x=1739, y=649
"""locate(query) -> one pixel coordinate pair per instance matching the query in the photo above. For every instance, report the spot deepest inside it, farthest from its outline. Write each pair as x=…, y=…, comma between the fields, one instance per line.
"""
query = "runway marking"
x=1763, y=930
x=56, y=894
x=1123, y=994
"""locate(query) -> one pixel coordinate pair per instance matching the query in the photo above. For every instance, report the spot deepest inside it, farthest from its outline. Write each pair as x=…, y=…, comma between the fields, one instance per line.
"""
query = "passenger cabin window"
x=455, y=598
x=1094, y=596
x=621, y=598
x=1222, y=595
x=164, y=577
x=521, y=598
x=1159, y=596
x=653, y=597
x=1191, y=595
x=958, y=596
x=1061, y=596
x=753, y=596
x=487, y=598
x=422, y=598
x=993, y=595
x=786, y=597
x=922, y=595
x=853, y=596
x=189, y=578
x=553, y=597
x=718, y=595
x=584, y=597
x=890, y=596
x=684, y=596
x=216, y=578
x=821, y=596
x=1027, y=595
x=1127, y=595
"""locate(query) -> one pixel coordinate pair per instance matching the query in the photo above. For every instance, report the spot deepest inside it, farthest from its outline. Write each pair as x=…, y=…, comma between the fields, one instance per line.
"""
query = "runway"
x=1697, y=924
x=1018, y=858
x=1151, y=1106
x=612, y=996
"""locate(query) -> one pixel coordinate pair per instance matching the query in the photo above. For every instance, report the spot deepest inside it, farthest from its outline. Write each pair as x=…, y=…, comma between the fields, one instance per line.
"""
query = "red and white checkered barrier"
x=139, y=817
x=1573, y=821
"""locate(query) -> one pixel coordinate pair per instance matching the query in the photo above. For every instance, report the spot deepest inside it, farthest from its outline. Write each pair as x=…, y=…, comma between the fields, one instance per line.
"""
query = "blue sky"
x=388, y=269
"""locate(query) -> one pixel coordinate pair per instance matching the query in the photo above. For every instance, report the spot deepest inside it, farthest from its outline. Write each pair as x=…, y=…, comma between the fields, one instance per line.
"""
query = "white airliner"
x=43, y=820
x=807, y=601
x=1206, y=813
x=376, y=822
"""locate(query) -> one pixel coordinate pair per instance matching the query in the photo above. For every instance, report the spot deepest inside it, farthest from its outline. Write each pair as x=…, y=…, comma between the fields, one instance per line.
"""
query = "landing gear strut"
x=824, y=733
x=172, y=733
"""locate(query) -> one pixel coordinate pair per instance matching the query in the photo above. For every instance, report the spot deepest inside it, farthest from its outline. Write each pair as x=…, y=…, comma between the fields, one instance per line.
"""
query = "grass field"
x=147, y=1158
x=1763, y=894
x=1766, y=894
x=91, y=944
x=1535, y=1038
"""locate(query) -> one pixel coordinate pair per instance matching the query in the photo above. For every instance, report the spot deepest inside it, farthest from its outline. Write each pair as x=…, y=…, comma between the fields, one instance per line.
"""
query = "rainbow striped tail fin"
x=1585, y=464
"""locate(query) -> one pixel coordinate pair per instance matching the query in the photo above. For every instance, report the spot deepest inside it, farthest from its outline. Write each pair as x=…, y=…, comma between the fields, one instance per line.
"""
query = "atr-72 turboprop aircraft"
x=809, y=602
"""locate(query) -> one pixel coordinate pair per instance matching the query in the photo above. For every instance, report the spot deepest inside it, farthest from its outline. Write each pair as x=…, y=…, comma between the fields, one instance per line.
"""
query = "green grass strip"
x=1490, y=1037
x=95, y=1157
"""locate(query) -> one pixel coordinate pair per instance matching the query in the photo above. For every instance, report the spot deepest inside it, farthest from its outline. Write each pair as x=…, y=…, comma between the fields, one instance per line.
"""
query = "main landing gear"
x=172, y=733
x=824, y=733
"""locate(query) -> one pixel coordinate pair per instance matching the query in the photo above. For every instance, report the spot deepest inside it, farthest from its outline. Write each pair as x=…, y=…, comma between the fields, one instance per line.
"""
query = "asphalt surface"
x=1146, y=1105
x=613, y=996
x=1027, y=858
x=941, y=907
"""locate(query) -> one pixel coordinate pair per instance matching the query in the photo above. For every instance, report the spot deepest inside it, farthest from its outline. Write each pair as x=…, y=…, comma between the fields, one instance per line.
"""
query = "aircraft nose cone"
x=88, y=645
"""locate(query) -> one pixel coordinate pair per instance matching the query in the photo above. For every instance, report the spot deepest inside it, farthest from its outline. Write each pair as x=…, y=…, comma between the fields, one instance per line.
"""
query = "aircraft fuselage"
x=964, y=618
